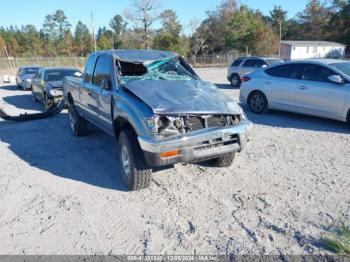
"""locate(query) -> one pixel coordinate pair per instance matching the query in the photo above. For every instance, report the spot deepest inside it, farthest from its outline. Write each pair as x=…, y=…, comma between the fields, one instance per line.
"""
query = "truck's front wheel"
x=77, y=123
x=136, y=174
x=224, y=161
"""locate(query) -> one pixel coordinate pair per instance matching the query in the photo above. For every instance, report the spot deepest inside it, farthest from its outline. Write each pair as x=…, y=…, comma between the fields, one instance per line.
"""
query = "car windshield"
x=344, y=67
x=30, y=71
x=274, y=61
x=167, y=69
x=58, y=75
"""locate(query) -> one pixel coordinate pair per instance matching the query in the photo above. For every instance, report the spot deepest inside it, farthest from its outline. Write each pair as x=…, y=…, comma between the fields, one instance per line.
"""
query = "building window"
x=314, y=50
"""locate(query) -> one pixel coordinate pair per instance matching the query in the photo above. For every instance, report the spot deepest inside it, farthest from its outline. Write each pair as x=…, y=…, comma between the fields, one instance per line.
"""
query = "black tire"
x=136, y=174
x=235, y=81
x=224, y=161
x=258, y=102
x=77, y=123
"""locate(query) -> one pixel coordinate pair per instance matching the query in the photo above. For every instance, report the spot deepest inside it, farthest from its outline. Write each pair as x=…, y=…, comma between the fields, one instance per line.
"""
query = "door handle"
x=268, y=82
x=303, y=87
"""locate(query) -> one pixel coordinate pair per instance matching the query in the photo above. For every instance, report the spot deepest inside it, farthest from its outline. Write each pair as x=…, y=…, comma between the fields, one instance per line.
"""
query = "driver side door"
x=317, y=95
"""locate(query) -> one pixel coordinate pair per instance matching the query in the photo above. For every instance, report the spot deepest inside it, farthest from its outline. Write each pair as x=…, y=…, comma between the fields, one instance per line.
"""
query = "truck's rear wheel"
x=77, y=123
x=224, y=161
x=136, y=174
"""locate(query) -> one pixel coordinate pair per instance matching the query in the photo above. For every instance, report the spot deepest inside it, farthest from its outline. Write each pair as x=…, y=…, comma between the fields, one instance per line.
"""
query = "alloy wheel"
x=257, y=103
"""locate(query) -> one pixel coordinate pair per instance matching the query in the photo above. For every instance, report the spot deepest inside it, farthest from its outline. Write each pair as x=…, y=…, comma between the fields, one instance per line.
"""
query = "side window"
x=250, y=63
x=103, y=70
x=20, y=71
x=89, y=69
x=286, y=71
x=260, y=63
x=318, y=73
x=237, y=62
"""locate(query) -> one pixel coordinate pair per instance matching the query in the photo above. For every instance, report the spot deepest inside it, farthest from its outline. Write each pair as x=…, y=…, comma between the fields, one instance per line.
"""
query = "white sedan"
x=319, y=87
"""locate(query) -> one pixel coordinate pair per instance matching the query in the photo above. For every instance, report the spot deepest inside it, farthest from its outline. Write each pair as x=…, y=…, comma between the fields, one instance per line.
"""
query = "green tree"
x=314, y=18
x=339, y=25
x=62, y=24
x=168, y=37
x=82, y=40
x=104, y=39
x=248, y=31
x=278, y=18
x=2, y=45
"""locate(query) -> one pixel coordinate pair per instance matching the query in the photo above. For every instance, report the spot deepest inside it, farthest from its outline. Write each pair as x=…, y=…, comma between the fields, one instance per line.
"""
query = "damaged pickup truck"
x=158, y=109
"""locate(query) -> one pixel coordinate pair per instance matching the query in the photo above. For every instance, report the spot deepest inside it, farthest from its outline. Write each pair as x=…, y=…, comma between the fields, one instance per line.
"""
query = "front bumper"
x=197, y=146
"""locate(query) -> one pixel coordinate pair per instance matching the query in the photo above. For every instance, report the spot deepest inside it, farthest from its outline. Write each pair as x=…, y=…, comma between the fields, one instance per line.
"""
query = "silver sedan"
x=319, y=87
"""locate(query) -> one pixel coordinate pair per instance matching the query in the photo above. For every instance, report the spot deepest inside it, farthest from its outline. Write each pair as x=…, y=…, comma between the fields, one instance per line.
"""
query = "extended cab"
x=158, y=109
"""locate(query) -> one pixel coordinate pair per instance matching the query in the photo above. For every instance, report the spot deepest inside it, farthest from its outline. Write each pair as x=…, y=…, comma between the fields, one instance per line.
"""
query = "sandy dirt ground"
x=62, y=195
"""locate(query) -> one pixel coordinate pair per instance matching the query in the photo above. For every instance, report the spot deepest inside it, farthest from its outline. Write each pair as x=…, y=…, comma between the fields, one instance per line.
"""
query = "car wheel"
x=235, y=81
x=77, y=123
x=258, y=103
x=136, y=174
x=224, y=161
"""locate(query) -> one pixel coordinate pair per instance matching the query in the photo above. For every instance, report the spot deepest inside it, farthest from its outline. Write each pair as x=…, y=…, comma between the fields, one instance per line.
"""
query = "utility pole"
x=93, y=31
x=280, y=46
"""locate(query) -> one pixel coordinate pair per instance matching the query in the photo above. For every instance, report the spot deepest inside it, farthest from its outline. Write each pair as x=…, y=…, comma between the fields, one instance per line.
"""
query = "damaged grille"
x=195, y=123
x=168, y=126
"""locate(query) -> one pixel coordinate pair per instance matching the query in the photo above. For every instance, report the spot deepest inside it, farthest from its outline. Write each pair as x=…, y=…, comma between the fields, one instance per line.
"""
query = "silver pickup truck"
x=158, y=109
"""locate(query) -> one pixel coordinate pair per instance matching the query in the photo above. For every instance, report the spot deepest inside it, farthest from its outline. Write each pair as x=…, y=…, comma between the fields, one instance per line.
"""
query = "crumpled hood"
x=183, y=97
x=56, y=84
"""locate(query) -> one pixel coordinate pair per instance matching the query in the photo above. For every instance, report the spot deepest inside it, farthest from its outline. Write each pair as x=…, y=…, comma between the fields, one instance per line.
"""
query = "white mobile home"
x=291, y=50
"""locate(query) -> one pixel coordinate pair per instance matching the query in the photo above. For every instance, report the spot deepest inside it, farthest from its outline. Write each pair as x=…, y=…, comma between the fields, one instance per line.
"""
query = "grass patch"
x=338, y=242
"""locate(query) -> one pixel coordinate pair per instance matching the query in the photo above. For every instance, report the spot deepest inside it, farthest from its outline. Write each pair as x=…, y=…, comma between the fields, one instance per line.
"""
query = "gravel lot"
x=62, y=195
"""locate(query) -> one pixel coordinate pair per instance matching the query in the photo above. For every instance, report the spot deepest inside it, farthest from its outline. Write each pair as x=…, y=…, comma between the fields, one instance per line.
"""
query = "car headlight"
x=28, y=80
x=55, y=92
x=164, y=125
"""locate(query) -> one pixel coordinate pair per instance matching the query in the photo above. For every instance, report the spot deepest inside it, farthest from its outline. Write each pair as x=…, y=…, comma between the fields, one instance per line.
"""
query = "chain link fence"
x=10, y=66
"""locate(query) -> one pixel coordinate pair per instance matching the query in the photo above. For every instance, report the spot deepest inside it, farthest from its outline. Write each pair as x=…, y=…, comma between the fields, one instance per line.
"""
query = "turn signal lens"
x=170, y=153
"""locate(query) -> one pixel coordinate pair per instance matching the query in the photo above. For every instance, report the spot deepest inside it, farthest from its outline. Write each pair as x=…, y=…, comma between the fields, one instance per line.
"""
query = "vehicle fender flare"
x=125, y=117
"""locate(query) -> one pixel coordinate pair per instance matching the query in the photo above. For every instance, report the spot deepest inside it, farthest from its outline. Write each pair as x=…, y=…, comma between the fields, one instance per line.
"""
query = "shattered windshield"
x=167, y=69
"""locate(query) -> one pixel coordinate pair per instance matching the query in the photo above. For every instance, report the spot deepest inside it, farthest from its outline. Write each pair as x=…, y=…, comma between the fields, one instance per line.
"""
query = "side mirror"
x=106, y=84
x=337, y=79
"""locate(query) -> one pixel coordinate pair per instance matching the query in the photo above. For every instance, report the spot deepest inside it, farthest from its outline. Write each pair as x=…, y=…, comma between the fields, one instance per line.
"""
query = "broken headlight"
x=56, y=93
x=164, y=125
